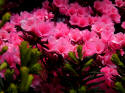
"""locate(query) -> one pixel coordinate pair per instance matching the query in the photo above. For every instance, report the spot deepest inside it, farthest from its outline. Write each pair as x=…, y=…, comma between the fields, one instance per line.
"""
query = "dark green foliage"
x=5, y=18
x=4, y=49
x=119, y=60
x=78, y=72
x=29, y=67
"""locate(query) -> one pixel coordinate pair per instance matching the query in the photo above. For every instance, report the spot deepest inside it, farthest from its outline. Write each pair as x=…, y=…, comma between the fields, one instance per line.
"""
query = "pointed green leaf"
x=12, y=88
x=36, y=68
x=82, y=89
x=5, y=18
x=69, y=67
x=24, y=77
x=3, y=66
x=116, y=59
x=9, y=75
x=79, y=51
x=25, y=53
x=88, y=63
x=72, y=91
x=119, y=87
x=4, y=49
x=1, y=84
x=72, y=56
x=35, y=55
x=29, y=82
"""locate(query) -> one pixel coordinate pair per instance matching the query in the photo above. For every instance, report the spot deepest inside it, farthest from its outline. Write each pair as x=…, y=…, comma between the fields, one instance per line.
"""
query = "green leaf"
x=117, y=61
x=119, y=87
x=25, y=53
x=72, y=91
x=4, y=49
x=69, y=67
x=3, y=66
x=12, y=88
x=29, y=56
x=24, y=77
x=36, y=68
x=5, y=18
x=29, y=82
x=9, y=75
x=2, y=2
x=72, y=56
x=35, y=55
x=88, y=63
x=1, y=84
x=79, y=51
x=82, y=89
x=1, y=91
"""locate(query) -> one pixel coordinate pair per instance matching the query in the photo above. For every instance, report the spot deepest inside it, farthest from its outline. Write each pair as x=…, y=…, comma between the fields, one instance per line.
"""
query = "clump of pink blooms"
x=100, y=39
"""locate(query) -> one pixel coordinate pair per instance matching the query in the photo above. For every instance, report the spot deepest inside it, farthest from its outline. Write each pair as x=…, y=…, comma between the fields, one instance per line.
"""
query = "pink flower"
x=106, y=35
x=61, y=46
x=72, y=11
x=100, y=46
x=83, y=22
x=15, y=39
x=123, y=25
x=24, y=15
x=12, y=56
x=106, y=7
x=28, y=24
x=119, y=3
x=106, y=59
x=102, y=86
x=74, y=20
x=43, y=28
x=89, y=48
x=117, y=41
x=108, y=74
x=4, y=35
x=98, y=5
x=63, y=10
x=60, y=30
x=60, y=3
x=89, y=36
x=75, y=34
x=92, y=47
x=9, y=27
x=15, y=19
x=45, y=4
x=98, y=27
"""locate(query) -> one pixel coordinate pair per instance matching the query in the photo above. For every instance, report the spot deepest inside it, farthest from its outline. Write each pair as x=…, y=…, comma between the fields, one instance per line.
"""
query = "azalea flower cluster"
x=62, y=38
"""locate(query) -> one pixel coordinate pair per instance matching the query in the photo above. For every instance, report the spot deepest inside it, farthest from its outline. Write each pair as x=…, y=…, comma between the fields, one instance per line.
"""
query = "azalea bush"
x=62, y=46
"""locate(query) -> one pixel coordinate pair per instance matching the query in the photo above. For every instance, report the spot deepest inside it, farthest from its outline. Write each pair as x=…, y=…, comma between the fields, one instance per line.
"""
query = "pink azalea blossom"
x=43, y=28
x=120, y=3
x=15, y=19
x=74, y=20
x=60, y=3
x=92, y=47
x=89, y=36
x=123, y=25
x=75, y=35
x=108, y=74
x=83, y=22
x=4, y=35
x=60, y=30
x=62, y=46
x=117, y=40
